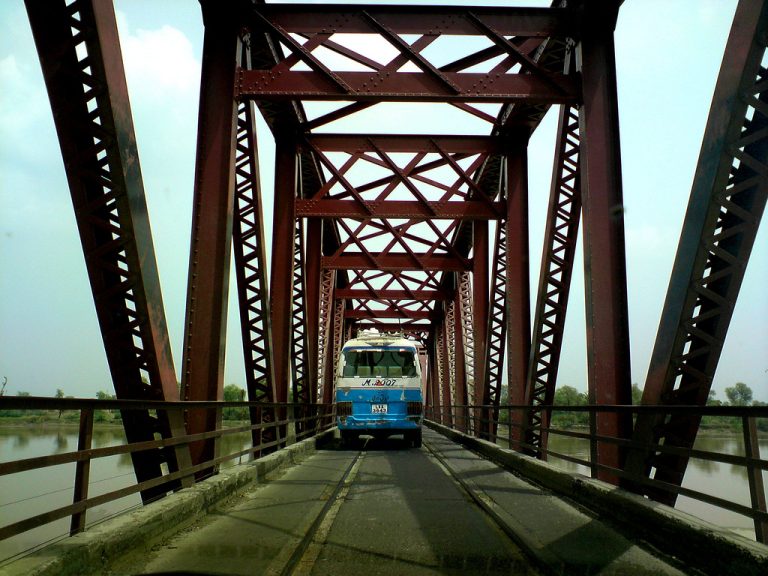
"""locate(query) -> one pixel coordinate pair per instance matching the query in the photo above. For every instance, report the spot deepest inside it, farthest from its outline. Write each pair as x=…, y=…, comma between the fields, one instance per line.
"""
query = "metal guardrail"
x=486, y=421
x=294, y=422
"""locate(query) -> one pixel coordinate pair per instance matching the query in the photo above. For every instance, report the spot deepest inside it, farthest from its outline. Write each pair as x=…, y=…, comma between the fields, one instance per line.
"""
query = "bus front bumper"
x=362, y=423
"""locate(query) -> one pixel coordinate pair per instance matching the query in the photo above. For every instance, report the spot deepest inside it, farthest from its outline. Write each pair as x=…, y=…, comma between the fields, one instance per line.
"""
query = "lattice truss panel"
x=497, y=327
x=726, y=206
x=89, y=100
x=107, y=220
x=450, y=342
x=369, y=54
x=249, y=253
x=396, y=260
x=736, y=212
x=301, y=390
x=561, y=234
x=393, y=301
x=401, y=207
x=325, y=336
x=465, y=298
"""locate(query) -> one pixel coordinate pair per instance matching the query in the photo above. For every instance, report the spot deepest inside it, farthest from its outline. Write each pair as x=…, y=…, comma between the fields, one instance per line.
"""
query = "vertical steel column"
x=325, y=335
x=338, y=342
x=755, y=476
x=518, y=293
x=82, y=469
x=468, y=337
x=497, y=323
x=424, y=362
x=450, y=343
x=81, y=61
x=300, y=373
x=212, y=215
x=312, y=286
x=433, y=397
x=480, y=321
x=604, y=254
x=460, y=399
x=283, y=231
x=445, y=372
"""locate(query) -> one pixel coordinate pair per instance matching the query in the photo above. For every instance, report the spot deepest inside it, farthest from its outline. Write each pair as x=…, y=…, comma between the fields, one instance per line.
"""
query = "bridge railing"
x=501, y=425
x=294, y=422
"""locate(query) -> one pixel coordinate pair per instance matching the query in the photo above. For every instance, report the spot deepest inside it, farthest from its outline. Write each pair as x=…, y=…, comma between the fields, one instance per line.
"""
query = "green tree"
x=739, y=395
x=569, y=396
x=233, y=393
x=713, y=421
x=637, y=394
x=59, y=394
x=105, y=415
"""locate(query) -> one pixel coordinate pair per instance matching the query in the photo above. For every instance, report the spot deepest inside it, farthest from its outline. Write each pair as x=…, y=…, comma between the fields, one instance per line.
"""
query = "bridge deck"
x=385, y=509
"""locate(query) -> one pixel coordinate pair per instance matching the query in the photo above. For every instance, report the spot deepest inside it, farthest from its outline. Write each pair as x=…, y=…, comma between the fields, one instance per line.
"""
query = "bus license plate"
x=378, y=408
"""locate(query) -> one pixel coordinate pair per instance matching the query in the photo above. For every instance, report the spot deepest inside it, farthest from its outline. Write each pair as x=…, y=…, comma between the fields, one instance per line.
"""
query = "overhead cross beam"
x=383, y=81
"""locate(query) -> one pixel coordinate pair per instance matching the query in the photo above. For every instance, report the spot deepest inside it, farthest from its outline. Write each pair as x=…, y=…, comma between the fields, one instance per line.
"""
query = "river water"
x=33, y=492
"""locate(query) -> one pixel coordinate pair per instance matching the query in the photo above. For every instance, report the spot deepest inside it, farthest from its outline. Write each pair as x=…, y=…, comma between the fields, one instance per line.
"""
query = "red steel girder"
x=391, y=313
x=450, y=144
x=351, y=19
x=480, y=322
x=450, y=344
x=517, y=296
x=462, y=210
x=411, y=282
x=497, y=323
x=443, y=381
x=460, y=365
x=386, y=80
x=300, y=378
x=395, y=262
x=418, y=330
x=468, y=341
x=726, y=205
x=283, y=229
x=404, y=86
x=212, y=221
x=80, y=56
x=428, y=155
x=560, y=237
x=313, y=287
x=432, y=398
x=608, y=364
x=251, y=272
x=325, y=333
x=374, y=294
x=339, y=337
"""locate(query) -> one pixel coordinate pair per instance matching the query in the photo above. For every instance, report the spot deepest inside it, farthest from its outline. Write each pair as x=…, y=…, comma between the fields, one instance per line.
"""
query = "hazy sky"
x=668, y=56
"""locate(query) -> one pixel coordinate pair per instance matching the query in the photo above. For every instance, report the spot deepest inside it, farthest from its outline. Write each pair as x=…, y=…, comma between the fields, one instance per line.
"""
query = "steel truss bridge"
x=424, y=234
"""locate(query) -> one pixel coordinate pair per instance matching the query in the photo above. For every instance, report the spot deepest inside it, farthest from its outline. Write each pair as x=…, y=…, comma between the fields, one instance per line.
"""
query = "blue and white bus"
x=379, y=388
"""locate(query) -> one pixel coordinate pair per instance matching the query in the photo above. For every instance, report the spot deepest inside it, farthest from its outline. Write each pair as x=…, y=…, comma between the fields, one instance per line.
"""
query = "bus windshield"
x=392, y=363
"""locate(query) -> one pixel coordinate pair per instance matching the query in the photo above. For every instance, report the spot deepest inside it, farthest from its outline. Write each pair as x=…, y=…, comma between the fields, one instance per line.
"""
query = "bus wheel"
x=415, y=437
x=348, y=438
